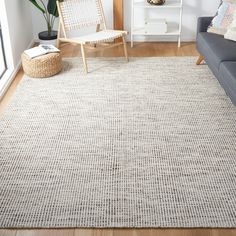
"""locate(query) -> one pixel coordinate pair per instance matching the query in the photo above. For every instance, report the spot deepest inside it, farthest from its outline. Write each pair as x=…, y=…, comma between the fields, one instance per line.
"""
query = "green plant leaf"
x=34, y=2
x=52, y=8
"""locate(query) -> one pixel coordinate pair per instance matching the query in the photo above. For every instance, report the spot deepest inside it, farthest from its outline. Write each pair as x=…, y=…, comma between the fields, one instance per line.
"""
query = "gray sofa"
x=220, y=56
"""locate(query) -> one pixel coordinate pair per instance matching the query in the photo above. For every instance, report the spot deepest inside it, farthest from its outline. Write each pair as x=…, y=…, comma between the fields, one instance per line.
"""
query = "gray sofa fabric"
x=228, y=76
x=205, y=50
x=203, y=24
x=220, y=55
x=217, y=47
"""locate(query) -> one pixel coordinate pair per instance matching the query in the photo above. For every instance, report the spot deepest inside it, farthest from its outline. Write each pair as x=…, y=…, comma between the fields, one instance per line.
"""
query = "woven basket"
x=43, y=66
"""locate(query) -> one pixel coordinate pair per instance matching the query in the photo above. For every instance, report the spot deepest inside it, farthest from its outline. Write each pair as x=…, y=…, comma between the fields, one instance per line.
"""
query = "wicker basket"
x=43, y=66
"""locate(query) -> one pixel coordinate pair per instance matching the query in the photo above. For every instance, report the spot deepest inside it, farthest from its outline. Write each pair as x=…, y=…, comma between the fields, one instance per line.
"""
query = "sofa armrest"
x=203, y=24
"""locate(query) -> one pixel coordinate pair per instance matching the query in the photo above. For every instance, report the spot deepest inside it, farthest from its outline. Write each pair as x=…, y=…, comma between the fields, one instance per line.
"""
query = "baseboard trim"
x=11, y=74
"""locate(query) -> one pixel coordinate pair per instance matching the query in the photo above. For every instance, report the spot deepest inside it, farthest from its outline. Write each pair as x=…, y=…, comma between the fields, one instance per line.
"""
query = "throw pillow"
x=231, y=32
x=223, y=17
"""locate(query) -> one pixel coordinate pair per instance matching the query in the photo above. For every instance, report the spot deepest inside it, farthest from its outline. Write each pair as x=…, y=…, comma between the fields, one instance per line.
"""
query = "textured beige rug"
x=151, y=143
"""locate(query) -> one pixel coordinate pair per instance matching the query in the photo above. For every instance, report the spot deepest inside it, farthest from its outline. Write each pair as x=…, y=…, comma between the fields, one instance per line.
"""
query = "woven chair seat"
x=100, y=37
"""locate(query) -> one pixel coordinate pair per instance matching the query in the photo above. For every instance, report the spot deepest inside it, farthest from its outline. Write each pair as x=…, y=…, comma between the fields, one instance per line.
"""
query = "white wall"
x=16, y=21
x=20, y=29
x=192, y=10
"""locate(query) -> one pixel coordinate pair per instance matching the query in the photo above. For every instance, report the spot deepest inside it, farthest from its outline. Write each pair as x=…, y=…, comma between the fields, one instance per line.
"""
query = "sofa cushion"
x=223, y=18
x=216, y=48
x=231, y=32
x=228, y=78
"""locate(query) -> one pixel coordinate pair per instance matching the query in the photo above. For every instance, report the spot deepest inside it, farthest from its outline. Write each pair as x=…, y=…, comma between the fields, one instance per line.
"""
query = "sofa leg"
x=199, y=60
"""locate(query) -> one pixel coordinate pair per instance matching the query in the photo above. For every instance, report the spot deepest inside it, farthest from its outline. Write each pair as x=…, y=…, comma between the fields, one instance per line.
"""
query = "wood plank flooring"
x=140, y=50
x=120, y=232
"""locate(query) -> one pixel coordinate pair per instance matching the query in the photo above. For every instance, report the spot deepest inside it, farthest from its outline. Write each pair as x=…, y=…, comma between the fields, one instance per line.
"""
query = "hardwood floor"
x=120, y=232
x=140, y=50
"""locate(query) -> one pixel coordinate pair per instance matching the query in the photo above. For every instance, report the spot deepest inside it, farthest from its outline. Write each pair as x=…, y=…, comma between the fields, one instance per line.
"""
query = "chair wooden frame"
x=97, y=46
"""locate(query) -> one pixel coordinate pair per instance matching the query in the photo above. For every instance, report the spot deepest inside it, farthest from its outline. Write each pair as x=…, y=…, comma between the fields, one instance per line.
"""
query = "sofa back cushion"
x=223, y=17
x=231, y=32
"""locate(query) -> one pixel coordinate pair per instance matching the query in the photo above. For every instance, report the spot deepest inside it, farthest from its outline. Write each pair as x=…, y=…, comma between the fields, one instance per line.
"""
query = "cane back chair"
x=80, y=14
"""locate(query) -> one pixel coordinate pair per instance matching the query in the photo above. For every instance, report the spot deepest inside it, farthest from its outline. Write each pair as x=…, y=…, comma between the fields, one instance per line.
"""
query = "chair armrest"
x=203, y=24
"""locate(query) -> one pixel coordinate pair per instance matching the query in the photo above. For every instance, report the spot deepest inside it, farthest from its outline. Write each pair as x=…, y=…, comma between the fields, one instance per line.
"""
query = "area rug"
x=150, y=143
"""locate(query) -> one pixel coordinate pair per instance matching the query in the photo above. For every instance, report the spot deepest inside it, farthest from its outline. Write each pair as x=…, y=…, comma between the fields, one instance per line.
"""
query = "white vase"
x=51, y=42
x=44, y=38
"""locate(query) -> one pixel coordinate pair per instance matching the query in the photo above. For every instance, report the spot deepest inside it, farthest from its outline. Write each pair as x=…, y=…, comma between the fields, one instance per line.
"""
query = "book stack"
x=40, y=50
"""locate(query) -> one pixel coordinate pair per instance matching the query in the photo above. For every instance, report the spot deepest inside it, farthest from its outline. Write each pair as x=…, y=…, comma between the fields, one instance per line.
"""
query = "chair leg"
x=58, y=35
x=84, y=58
x=125, y=48
x=199, y=60
x=58, y=43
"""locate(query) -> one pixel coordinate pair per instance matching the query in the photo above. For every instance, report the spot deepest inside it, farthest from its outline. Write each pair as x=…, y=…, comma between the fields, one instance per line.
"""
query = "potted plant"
x=49, y=10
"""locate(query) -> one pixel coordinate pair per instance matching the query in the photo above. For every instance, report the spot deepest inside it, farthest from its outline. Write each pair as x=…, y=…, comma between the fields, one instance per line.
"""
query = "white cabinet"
x=149, y=28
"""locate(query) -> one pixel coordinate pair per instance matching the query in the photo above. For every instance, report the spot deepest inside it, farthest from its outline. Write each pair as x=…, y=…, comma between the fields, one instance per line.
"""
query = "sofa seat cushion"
x=228, y=78
x=215, y=48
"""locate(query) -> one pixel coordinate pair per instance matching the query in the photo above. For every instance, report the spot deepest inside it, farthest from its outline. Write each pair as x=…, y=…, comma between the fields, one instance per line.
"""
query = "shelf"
x=168, y=4
x=173, y=30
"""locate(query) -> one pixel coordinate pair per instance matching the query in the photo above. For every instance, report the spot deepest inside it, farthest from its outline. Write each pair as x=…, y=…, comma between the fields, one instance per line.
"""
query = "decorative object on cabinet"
x=156, y=2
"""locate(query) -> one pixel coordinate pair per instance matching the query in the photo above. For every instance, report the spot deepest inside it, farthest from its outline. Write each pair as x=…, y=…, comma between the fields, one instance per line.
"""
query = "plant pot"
x=156, y=2
x=45, y=38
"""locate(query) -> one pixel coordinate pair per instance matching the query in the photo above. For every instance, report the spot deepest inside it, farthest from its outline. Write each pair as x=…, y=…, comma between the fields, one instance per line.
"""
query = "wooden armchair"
x=78, y=14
